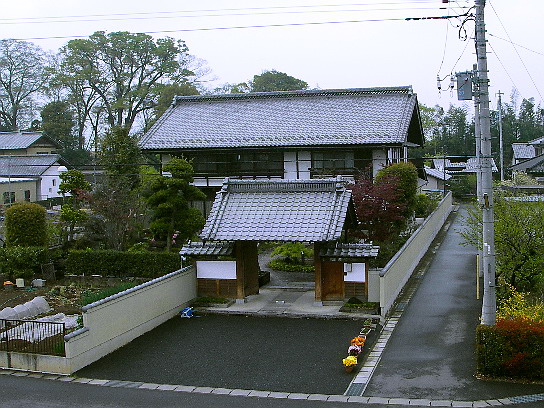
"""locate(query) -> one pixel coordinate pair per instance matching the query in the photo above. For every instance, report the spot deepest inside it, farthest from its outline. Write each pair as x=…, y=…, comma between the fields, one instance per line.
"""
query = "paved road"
x=431, y=353
x=255, y=353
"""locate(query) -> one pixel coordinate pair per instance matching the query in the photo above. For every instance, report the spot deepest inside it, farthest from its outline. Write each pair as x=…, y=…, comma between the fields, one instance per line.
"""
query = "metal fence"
x=31, y=336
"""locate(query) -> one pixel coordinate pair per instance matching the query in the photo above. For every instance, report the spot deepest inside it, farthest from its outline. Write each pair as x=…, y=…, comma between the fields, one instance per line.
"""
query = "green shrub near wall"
x=512, y=348
x=22, y=262
x=26, y=225
x=121, y=264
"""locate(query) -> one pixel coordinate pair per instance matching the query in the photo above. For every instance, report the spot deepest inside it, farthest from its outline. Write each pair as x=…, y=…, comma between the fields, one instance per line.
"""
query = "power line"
x=218, y=10
x=516, y=44
x=101, y=19
x=517, y=52
x=316, y=23
x=503, y=66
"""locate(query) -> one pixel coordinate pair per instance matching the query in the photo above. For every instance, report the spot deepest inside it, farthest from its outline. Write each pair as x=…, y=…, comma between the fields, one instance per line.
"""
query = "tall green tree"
x=120, y=156
x=168, y=92
x=169, y=197
x=58, y=123
x=270, y=81
x=24, y=73
x=122, y=69
x=74, y=189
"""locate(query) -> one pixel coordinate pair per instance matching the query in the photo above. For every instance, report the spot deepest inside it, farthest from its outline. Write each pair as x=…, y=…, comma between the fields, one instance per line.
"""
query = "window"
x=328, y=163
x=27, y=195
x=9, y=197
x=54, y=182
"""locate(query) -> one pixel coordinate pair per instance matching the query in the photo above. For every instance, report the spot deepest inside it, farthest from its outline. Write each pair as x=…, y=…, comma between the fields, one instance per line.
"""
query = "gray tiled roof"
x=437, y=173
x=523, y=151
x=20, y=140
x=27, y=165
x=533, y=165
x=284, y=119
x=207, y=248
x=339, y=250
x=468, y=166
x=282, y=210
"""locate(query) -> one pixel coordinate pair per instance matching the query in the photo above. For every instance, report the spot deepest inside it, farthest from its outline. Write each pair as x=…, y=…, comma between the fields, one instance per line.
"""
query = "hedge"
x=22, y=262
x=121, y=264
x=281, y=265
x=512, y=348
x=26, y=225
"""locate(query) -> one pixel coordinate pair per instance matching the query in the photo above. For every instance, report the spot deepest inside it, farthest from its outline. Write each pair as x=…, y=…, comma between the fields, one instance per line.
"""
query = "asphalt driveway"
x=259, y=353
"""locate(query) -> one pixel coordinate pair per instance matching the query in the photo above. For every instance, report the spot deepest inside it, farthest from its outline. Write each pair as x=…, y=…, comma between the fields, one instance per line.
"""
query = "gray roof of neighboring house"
x=279, y=210
x=339, y=250
x=533, y=165
x=27, y=165
x=219, y=248
x=288, y=119
x=536, y=141
x=523, y=151
x=459, y=167
x=437, y=173
x=22, y=140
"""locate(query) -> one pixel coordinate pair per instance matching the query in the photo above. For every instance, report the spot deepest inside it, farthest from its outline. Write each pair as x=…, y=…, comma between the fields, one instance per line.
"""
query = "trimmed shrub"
x=121, y=264
x=26, y=225
x=281, y=265
x=22, y=262
x=512, y=348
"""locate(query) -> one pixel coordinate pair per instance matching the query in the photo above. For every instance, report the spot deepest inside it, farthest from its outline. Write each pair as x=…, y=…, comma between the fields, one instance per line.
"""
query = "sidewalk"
x=431, y=351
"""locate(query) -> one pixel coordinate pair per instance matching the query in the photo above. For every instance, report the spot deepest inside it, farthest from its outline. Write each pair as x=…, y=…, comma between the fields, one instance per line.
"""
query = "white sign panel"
x=216, y=269
x=354, y=272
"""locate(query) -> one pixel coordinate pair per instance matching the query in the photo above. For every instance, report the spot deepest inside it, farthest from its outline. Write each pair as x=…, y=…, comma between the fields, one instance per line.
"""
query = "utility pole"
x=501, y=149
x=478, y=137
x=489, y=304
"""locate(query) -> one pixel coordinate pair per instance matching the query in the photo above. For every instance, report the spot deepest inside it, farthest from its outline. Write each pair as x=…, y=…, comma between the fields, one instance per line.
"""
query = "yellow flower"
x=350, y=361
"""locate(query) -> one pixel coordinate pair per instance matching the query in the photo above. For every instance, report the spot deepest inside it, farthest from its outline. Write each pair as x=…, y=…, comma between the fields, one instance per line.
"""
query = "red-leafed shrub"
x=512, y=348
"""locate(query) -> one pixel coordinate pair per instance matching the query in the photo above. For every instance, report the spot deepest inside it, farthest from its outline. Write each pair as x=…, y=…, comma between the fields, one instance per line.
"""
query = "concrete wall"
x=113, y=322
x=398, y=270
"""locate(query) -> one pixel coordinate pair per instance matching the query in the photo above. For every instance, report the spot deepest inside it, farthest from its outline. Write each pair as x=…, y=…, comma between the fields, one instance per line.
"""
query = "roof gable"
x=23, y=140
x=534, y=165
x=282, y=210
x=289, y=119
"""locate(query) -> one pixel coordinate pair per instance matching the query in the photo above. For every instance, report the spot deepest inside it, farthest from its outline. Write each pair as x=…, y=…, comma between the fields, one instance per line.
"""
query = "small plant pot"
x=348, y=369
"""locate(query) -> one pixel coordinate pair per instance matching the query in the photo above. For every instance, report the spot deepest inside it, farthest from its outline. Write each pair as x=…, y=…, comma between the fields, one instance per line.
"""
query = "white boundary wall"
x=398, y=270
x=113, y=322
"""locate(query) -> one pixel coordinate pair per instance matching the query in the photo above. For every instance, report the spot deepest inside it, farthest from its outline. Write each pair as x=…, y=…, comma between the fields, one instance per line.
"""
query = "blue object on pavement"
x=188, y=312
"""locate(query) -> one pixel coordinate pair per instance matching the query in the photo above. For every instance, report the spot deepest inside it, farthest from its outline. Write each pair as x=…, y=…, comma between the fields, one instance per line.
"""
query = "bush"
x=121, y=264
x=463, y=187
x=26, y=225
x=281, y=265
x=293, y=252
x=512, y=348
x=426, y=204
x=23, y=262
x=88, y=296
x=406, y=175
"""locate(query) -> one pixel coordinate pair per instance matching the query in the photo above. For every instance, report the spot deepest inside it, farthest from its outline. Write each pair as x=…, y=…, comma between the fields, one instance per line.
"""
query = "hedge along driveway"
x=260, y=353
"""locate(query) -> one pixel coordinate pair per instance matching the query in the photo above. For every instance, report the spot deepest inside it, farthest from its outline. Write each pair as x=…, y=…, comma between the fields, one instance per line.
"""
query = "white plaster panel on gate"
x=354, y=272
x=216, y=269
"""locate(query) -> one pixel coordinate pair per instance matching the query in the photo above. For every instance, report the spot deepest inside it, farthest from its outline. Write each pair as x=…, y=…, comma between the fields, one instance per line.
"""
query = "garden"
x=514, y=347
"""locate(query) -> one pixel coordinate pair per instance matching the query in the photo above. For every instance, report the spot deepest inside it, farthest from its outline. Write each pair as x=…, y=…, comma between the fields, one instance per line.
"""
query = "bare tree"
x=24, y=73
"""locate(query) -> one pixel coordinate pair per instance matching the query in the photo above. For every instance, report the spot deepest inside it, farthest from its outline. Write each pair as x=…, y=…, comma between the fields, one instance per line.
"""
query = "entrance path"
x=431, y=351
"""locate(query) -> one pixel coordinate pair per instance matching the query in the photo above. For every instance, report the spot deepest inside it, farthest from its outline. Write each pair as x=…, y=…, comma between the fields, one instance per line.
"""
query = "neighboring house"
x=529, y=158
x=288, y=135
x=42, y=168
x=15, y=190
x=436, y=180
x=21, y=143
x=458, y=166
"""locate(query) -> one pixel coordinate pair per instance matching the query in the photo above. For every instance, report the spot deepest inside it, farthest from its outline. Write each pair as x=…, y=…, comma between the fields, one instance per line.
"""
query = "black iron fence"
x=31, y=336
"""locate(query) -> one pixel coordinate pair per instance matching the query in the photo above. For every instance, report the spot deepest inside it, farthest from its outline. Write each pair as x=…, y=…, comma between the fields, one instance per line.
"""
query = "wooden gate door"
x=332, y=281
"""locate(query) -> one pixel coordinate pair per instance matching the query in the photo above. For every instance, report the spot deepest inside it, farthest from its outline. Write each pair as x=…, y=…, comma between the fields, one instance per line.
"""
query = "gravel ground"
x=272, y=354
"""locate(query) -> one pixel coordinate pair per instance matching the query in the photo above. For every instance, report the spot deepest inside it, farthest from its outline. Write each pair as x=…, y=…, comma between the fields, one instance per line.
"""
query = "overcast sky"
x=330, y=44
